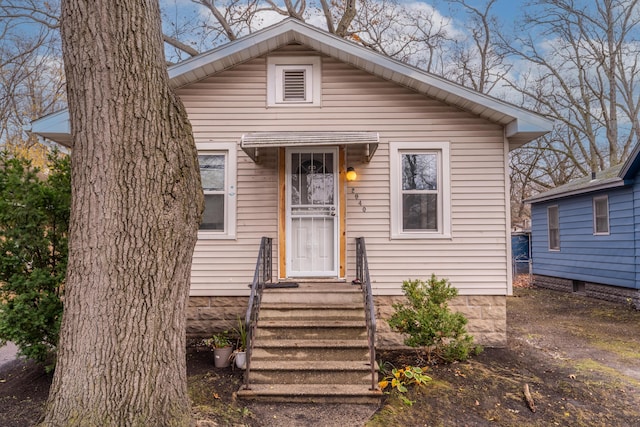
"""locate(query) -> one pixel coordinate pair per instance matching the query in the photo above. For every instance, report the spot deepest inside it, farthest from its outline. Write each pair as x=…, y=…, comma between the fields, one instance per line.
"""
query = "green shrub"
x=34, y=220
x=428, y=322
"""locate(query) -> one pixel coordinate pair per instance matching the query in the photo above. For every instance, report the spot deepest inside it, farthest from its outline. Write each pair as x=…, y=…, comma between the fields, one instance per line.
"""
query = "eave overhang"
x=55, y=127
x=605, y=185
x=521, y=126
x=614, y=177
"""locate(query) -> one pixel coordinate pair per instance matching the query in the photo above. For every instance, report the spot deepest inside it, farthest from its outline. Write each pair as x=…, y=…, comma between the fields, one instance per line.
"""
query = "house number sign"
x=357, y=197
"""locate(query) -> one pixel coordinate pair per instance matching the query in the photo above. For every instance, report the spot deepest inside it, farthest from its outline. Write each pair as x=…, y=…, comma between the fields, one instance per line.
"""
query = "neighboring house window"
x=293, y=80
x=217, y=172
x=601, y=215
x=554, y=228
x=420, y=193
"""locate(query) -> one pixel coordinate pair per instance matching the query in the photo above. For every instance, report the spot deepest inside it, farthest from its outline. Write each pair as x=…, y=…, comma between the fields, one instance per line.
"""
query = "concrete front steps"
x=311, y=346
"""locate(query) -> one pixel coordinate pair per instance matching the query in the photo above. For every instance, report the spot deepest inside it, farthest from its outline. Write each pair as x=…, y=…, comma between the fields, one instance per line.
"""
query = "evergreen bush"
x=34, y=220
x=428, y=323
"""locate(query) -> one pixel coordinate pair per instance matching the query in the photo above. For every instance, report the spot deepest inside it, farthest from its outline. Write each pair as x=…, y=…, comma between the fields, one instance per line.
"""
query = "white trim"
x=595, y=229
x=277, y=65
x=444, y=183
x=231, y=186
x=507, y=224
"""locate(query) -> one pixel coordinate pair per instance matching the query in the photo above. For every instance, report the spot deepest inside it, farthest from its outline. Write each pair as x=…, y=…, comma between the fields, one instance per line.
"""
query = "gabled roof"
x=521, y=126
x=606, y=179
x=616, y=176
x=632, y=165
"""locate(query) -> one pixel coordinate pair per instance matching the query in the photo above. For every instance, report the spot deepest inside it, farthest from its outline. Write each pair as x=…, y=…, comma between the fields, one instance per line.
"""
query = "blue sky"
x=509, y=9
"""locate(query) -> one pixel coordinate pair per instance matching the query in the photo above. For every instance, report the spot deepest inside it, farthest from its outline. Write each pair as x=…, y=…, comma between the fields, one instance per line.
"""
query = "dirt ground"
x=579, y=357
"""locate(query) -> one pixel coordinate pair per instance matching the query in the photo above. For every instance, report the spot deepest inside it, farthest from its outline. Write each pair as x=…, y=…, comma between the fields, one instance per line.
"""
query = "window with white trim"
x=293, y=80
x=217, y=173
x=601, y=215
x=420, y=190
x=553, y=222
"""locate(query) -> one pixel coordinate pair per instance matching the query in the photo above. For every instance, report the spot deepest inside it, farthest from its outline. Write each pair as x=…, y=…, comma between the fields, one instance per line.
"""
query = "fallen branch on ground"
x=529, y=399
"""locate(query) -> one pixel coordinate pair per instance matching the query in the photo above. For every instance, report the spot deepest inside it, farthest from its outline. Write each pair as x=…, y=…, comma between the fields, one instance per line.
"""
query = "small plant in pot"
x=240, y=353
x=222, y=349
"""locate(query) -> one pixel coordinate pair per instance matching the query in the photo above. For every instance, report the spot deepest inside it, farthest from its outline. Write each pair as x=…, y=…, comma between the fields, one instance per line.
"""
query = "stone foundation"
x=208, y=315
x=616, y=294
x=487, y=317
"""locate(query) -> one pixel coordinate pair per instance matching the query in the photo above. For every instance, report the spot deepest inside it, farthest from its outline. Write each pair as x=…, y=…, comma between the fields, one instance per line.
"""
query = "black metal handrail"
x=362, y=273
x=261, y=276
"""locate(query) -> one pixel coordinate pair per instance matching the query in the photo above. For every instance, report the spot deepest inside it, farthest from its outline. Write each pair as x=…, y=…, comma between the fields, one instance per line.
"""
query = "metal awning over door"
x=251, y=143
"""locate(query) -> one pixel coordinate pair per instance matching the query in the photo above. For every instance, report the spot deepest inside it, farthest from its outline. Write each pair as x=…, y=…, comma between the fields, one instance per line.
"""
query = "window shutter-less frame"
x=553, y=227
x=293, y=81
x=601, y=215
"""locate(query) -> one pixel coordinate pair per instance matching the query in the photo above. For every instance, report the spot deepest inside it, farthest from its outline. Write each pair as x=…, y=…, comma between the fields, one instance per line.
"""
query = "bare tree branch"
x=347, y=17
x=178, y=44
x=220, y=18
x=328, y=17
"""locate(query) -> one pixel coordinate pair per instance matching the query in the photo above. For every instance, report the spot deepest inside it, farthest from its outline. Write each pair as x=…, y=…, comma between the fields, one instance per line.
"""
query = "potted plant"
x=222, y=349
x=240, y=353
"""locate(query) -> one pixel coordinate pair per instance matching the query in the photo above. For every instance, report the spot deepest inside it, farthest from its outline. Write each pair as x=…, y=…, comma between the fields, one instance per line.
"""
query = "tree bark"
x=136, y=207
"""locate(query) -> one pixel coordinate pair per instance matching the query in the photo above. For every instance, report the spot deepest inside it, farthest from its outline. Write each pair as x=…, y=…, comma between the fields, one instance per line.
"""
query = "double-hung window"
x=601, y=215
x=553, y=221
x=217, y=173
x=420, y=190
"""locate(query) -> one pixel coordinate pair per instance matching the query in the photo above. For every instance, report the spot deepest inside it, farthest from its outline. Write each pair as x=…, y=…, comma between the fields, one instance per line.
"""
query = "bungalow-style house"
x=585, y=235
x=313, y=141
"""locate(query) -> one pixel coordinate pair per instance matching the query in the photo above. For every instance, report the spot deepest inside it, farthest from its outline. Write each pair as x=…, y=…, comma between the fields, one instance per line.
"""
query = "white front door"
x=312, y=212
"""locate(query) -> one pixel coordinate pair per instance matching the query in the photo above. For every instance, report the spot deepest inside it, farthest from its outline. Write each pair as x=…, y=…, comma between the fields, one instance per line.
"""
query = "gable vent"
x=293, y=81
x=294, y=85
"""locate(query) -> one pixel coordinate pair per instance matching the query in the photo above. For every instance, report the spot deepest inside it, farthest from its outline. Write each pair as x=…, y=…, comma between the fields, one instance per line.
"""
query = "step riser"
x=311, y=314
x=310, y=354
x=318, y=399
x=339, y=333
x=312, y=393
x=315, y=298
x=259, y=376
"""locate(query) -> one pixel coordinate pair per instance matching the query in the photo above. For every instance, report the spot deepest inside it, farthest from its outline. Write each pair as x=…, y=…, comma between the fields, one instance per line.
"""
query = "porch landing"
x=311, y=346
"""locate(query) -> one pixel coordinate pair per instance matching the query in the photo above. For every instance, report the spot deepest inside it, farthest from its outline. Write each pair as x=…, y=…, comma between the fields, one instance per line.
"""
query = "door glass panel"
x=312, y=214
x=312, y=181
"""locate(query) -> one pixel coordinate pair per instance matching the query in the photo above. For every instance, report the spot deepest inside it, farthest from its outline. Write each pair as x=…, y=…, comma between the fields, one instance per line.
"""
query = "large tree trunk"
x=137, y=202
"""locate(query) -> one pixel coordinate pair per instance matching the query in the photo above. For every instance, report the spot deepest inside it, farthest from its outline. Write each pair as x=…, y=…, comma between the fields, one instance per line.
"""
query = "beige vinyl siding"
x=225, y=267
x=223, y=107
